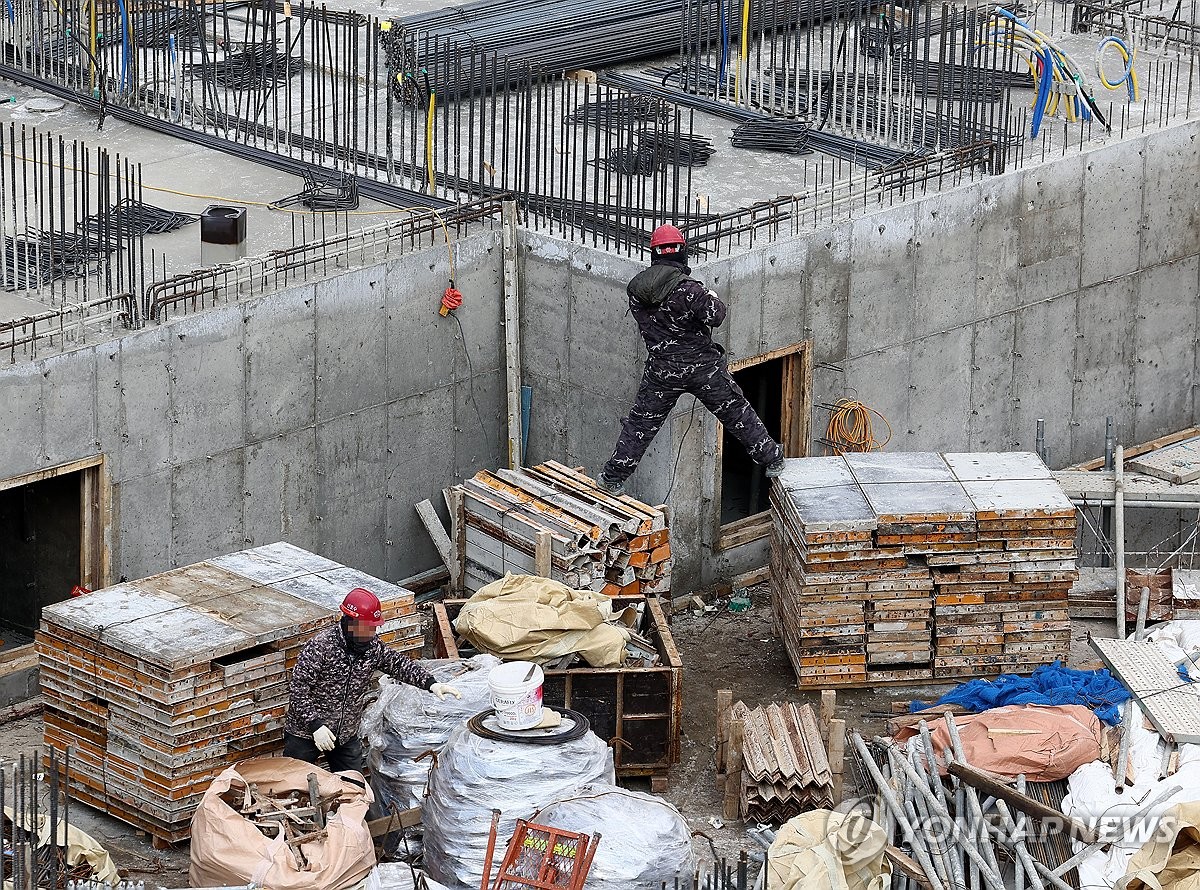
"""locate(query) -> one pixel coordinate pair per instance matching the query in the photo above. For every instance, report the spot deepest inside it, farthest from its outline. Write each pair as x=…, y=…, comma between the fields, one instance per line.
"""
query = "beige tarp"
x=1171, y=859
x=81, y=847
x=824, y=850
x=1043, y=743
x=228, y=850
x=526, y=618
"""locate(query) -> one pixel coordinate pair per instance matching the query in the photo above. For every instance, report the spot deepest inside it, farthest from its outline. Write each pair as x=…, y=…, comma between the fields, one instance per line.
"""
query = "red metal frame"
x=541, y=857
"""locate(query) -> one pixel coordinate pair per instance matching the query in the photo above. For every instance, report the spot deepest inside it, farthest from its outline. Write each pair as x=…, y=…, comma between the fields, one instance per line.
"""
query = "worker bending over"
x=675, y=314
x=331, y=679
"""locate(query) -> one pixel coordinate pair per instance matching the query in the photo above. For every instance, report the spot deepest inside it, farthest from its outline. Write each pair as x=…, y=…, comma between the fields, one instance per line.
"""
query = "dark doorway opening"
x=779, y=386
x=40, y=550
x=744, y=485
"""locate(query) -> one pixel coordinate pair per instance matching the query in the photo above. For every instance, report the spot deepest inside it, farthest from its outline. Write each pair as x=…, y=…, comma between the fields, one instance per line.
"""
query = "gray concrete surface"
x=1064, y=291
x=318, y=415
x=322, y=413
x=179, y=176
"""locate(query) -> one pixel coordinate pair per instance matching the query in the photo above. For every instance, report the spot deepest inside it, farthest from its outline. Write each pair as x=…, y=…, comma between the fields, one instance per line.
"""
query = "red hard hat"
x=664, y=235
x=362, y=605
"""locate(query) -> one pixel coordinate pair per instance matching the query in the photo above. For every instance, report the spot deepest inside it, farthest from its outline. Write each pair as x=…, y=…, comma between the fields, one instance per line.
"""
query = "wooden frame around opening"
x=795, y=435
x=95, y=514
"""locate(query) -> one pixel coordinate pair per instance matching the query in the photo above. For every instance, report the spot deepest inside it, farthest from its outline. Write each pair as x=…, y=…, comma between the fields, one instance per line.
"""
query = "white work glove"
x=325, y=739
x=441, y=690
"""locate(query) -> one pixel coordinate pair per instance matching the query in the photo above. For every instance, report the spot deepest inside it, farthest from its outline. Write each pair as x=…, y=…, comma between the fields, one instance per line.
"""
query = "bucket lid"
x=513, y=673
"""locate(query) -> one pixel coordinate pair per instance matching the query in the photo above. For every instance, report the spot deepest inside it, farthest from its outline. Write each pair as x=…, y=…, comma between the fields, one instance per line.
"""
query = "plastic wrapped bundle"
x=475, y=775
x=645, y=842
x=405, y=722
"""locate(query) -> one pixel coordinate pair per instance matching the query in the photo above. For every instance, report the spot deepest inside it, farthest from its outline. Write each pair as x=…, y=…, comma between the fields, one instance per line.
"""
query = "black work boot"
x=613, y=488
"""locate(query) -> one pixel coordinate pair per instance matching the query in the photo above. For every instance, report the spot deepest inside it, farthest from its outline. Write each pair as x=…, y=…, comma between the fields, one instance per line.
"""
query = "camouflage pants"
x=713, y=385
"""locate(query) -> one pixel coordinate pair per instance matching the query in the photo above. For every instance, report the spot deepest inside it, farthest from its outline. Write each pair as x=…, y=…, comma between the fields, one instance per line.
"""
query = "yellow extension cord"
x=851, y=430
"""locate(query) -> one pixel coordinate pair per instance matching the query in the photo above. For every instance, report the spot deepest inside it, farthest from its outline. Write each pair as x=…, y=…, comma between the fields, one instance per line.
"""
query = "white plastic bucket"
x=518, y=702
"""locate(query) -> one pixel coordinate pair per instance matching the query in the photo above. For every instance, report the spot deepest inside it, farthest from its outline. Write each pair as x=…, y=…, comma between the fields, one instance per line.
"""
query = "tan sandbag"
x=1171, y=859
x=80, y=847
x=824, y=850
x=527, y=618
x=228, y=850
x=1043, y=743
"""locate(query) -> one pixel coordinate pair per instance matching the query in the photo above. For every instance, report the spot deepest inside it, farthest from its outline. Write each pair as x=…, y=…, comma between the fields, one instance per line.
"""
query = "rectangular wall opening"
x=744, y=483
x=51, y=540
x=778, y=386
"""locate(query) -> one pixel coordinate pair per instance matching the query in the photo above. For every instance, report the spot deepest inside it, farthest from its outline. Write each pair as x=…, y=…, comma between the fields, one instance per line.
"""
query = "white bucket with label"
x=517, y=694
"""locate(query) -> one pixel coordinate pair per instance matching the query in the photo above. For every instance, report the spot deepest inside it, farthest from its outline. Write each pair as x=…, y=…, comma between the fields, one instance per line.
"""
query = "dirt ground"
x=724, y=650
x=719, y=649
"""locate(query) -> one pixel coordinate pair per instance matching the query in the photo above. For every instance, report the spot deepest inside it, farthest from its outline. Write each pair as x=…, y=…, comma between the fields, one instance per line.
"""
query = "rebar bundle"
x=251, y=66
x=155, y=28
x=619, y=111
x=450, y=47
x=325, y=193
x=25, y=863
x=134, y=217
x=773, y=135
x=686, y=151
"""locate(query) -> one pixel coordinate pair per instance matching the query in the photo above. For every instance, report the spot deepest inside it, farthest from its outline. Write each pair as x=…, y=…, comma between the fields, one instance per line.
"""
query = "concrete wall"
x=318, y=415
x=323, y=413
x=1065, y=291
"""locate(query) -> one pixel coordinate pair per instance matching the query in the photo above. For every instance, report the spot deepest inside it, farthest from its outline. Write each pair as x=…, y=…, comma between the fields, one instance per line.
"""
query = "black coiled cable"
x=581, y=728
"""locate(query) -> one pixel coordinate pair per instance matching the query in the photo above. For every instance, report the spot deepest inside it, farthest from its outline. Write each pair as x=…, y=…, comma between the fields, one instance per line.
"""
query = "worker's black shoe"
x=775, y=469
x=613, y=488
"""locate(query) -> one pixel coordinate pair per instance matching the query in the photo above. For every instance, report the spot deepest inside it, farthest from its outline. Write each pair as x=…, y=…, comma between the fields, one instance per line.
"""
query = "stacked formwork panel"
x=597, y=541
x=910, y=567
x=159, y=684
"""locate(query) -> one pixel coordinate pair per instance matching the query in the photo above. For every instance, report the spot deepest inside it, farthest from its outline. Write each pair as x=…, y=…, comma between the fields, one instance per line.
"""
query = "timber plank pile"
x=920, y=566
x=785, y=770
x=157, y=685
x=597, y=541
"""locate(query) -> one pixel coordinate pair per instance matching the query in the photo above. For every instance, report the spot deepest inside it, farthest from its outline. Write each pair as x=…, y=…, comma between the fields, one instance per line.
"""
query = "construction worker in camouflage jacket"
x=675, y=315
x=330, y=681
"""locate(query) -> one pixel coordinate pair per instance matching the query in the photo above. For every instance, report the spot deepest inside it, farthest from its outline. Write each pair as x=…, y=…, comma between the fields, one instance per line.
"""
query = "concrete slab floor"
x=720, y=650
x=180, y=176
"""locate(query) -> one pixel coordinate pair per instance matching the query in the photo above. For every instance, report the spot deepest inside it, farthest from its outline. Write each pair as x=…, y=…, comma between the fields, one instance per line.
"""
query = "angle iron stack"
x=616, y=545
x=921, y=566
x=785, y=770
x=159, y=684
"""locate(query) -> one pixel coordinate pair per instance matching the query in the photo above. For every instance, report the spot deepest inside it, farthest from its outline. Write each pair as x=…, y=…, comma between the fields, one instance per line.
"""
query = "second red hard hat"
x=362, y=605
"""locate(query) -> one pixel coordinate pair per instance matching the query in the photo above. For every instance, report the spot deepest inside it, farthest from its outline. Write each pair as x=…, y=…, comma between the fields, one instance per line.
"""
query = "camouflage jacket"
x=675, y=314
x=329, y=683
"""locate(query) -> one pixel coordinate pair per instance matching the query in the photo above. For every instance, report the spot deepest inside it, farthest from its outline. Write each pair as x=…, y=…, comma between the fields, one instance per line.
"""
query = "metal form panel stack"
x=616, y=545
x=921, y=566
x=159, y=684
x=785, y=770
